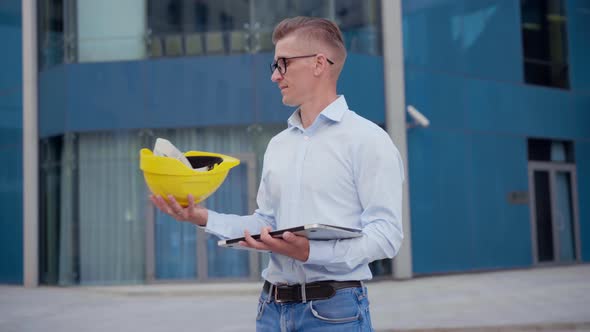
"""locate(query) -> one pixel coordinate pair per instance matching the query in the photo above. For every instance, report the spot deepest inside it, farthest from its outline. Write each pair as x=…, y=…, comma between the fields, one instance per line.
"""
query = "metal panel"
x=202, y=266
x=463, y=37
x=442, y=231
x=14, y=18
x=11, y=217
x=30, y=145
x=182, y=92
x=578, y=26
x=395, y=120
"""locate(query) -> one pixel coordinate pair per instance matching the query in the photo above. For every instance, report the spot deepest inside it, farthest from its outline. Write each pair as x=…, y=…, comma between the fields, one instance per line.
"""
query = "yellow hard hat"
x=169, y=176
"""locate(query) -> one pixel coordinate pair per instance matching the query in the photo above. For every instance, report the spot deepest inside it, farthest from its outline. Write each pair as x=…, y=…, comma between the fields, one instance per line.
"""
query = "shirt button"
x=306, y=137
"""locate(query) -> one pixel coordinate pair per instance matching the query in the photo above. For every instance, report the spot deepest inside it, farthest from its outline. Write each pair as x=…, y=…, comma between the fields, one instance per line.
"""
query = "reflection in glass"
x=544, y=37
x=268, y=13
x=196, y=27
x=109, y=30
x=565, y=217
x=49, y=202
x=90, y=31
x=175, y=248
x=360, y=22
x=231, y=197
x=111, y=207
x=51, y=33
x=544, y=222
x=94, y=216
x=550, y=150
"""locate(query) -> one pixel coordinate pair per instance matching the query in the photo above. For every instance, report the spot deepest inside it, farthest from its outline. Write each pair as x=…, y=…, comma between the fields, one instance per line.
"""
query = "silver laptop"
x=310, y=231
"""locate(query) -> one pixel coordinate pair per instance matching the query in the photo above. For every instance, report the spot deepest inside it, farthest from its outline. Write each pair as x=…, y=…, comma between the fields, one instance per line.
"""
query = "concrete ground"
x=541, y=299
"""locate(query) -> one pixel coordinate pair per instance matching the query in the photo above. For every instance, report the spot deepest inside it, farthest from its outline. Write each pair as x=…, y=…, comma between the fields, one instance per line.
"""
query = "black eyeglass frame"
x=275, y=64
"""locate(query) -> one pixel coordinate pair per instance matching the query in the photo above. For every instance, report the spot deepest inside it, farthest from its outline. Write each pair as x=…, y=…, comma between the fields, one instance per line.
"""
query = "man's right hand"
x=193, y=213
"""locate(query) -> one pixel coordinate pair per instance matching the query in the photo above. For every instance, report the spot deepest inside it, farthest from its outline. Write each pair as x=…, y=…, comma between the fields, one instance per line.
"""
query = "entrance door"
x=554, y=212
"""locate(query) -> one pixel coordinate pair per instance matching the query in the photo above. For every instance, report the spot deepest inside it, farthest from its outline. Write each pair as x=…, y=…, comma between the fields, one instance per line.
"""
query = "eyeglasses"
x=281, y=63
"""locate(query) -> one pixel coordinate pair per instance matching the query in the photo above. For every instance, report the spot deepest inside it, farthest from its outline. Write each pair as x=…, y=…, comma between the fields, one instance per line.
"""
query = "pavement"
x=537, y=299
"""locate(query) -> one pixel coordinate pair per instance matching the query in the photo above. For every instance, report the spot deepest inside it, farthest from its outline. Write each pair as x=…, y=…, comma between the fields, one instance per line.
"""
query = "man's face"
x=297, y=83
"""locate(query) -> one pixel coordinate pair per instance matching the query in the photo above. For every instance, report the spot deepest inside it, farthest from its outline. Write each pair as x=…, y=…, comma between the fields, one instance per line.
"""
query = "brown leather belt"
x=313, y=291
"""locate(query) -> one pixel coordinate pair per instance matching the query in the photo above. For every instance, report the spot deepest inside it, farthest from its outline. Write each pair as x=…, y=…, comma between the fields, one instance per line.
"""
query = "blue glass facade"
x=200, y=77
x=11, y=183
x=464, y=71
x=580, y=34
x=206, y=86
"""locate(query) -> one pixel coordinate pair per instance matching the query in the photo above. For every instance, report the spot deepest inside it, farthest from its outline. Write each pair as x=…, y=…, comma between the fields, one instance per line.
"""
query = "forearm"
x=381, y=239
x=229, y=225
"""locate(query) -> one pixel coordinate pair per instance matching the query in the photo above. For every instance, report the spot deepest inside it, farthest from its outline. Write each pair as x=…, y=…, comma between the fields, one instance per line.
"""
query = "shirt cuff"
x=320, y=252
x=214, y=224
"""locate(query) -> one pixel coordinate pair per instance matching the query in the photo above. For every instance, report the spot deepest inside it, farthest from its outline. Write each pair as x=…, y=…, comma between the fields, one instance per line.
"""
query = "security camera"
x=419, y=120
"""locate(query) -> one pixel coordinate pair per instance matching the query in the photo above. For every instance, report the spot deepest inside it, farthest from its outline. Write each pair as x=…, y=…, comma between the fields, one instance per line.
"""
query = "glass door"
x=543, y=220
x=564, y=216
x=554, y=216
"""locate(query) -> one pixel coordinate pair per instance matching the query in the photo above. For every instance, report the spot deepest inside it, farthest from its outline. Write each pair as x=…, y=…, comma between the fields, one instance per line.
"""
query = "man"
x=329, y=166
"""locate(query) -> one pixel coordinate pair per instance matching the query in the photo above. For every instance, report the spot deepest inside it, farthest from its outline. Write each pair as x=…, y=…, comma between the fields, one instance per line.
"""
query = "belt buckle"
x=277, y=299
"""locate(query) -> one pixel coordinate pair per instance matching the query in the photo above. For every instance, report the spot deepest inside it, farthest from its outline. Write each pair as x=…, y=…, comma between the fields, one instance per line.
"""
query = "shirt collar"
x=334, y=111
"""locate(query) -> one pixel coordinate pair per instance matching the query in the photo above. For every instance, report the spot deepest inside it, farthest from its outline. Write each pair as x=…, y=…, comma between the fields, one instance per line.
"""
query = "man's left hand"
x=291, y=245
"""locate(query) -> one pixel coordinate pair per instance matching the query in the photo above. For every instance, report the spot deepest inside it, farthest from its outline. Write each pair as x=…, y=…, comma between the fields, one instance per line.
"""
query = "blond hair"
x=314, y=29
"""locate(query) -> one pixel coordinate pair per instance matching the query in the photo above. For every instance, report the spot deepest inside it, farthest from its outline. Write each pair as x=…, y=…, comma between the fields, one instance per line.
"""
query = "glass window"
x=198, y=27
x=51, y=33
x=108, y=30
x=360, y=22
x=90, y=31
x=49, y=202
x=550, y=150
x=94, y=209
x=165, y=16
x=544, y=36
x=268, y=13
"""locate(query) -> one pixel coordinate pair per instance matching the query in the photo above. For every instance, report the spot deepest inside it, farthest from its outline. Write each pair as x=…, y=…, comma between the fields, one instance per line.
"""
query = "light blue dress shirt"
x=342, y=170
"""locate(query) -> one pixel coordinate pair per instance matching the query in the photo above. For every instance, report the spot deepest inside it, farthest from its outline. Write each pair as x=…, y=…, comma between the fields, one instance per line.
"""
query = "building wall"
x=464, y=71
x=11, y=180
x=182, y=92
x=579, y=33
x=205, y=86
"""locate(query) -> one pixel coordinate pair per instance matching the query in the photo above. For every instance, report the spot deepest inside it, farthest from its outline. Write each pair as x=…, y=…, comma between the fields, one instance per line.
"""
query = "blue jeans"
x=348, y=310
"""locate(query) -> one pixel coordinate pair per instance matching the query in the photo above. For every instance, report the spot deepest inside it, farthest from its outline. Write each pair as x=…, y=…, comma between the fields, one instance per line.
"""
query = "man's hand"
x=291, y=245
x=193, y=213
